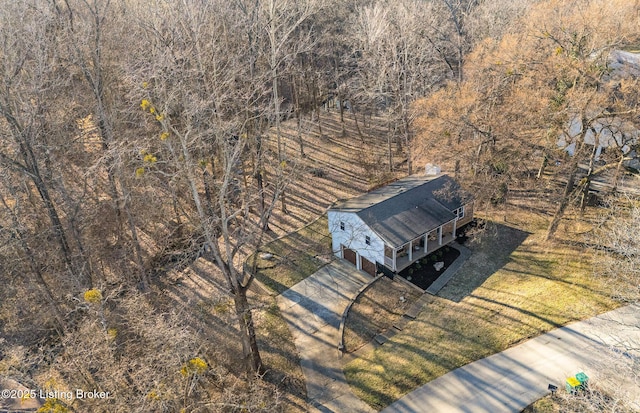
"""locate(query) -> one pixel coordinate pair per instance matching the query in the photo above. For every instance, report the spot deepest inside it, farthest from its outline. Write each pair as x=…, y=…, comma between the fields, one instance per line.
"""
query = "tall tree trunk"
x=355, y=118
x=456, y=18
x=250, y=351
x=92, y=69
x=59, y=232
x=316, y=107
x=341, y=109
x=247, y=334
x=296, y=99
x=259, y=176
x=319, y=120
x=33, y=171
x=568, y=190
x=477, y=160
x=390, y=146
x=587, y=179
x=566, y=195
x=398, y=141
x=281, y=155
x=616, y=176
x=299, y=131
x=456, y=169
x=137, y=248
x=407, y=141
x=113, y=187
x=121, y=203
x=564, y=202
x=276, y=111
x=31, y=168
x=543, y=165
x=81, y=261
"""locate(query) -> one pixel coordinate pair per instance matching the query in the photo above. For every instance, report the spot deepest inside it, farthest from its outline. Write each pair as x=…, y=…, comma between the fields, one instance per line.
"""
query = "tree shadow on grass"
x=491, y=249
x=198, y=293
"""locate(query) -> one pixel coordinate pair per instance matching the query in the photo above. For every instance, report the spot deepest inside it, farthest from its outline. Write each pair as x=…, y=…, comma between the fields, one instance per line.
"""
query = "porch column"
x=395, y=252
x=426, y=241
x=440, y=235
x=410, y=251
x=358, y=266
x=454, y=229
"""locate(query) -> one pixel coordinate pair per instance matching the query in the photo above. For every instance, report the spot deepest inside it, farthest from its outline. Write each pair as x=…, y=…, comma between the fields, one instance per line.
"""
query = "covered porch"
x=399, y=258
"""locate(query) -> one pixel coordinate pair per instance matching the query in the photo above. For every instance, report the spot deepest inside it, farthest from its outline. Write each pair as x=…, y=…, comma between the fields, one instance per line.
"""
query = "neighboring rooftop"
x=408, y=208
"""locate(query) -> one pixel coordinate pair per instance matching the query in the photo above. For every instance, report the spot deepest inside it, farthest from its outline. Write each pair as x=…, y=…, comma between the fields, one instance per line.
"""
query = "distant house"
x=400, y=223
x=607, y=131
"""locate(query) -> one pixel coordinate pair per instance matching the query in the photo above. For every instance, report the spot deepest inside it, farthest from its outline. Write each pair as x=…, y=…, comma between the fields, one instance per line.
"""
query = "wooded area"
x=138, y=137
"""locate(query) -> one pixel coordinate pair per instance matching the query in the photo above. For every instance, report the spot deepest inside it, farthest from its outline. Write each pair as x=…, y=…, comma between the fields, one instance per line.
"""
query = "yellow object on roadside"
x=573, y=384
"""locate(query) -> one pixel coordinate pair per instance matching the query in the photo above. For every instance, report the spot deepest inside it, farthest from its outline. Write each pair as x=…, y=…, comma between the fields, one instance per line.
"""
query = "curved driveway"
x=513, y=379
x=504, y=382
x=313, y=309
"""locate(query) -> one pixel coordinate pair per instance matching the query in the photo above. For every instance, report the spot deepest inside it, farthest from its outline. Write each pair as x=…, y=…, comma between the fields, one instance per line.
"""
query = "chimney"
x=431, y=170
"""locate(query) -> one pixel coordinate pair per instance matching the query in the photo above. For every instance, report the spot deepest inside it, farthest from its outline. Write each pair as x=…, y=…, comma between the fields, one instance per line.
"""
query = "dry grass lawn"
x=294, y=257
x=334, y=166
x=376, y=310
x=592, y=401
x=513, y=287
x=198, y=294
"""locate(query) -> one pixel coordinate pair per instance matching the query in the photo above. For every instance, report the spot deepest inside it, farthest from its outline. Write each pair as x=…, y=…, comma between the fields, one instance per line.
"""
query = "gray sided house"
x=612, y=131
x=400, y=223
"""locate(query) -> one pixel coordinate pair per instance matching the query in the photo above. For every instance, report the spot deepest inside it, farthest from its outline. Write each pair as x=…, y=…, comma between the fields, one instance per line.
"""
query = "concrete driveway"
x=313, y=309
x=511, y=380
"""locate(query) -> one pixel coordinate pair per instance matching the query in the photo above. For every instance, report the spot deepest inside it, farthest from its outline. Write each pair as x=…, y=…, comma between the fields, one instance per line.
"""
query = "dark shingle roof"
x=408, y=208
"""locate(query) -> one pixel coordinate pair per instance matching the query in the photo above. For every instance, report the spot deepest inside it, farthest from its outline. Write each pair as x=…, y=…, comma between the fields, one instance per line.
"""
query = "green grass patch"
x=514, y=286
x=295, y=256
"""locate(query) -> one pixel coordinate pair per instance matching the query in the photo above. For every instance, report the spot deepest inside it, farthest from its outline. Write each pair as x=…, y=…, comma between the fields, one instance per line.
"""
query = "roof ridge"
x=380, y=192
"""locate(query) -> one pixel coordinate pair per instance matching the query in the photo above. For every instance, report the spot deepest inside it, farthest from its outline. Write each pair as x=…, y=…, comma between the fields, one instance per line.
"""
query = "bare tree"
x=196, y=109
x=85, y=24
x=494, y=19
x=396, y=64
x=457, y=35
x=288, y=37
x=12, y=209
x=618, y=253
x=31, y=82
x=519, y=96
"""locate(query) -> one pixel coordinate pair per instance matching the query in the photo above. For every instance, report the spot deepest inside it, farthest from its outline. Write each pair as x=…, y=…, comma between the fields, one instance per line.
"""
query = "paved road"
x=313, y=309
x=511, y=380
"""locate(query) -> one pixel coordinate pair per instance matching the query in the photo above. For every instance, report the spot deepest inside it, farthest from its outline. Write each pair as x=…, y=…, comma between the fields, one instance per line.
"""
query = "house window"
x=367, y=240
x=459, y=212
x=341, y=226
